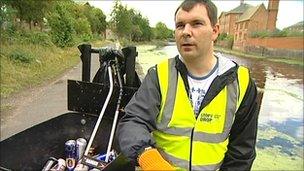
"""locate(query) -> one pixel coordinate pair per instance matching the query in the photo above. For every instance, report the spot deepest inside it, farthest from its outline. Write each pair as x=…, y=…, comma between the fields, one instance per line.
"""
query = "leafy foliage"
x=7, y=14
x=30, y=10
x=96, y=18
x=21, y=56
x=141, y=29
x=61, y=24
x=121, y=20
x=130, y=24
x=162, y=32
x=229, y=39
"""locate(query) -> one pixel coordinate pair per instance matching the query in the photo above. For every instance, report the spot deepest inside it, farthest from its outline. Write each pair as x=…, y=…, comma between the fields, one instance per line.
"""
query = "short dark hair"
x=187, y=5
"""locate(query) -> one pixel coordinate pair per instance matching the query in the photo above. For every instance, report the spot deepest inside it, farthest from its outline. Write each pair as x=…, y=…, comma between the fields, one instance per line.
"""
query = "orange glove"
x=152, y=160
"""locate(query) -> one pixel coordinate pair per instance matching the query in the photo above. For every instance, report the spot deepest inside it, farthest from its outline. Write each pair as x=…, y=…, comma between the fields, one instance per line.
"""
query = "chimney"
x=242, y=2
x=273, y=8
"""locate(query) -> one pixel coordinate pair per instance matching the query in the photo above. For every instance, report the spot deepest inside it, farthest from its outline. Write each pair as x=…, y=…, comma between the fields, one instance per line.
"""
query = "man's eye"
x=197, y=24
x=179, y=26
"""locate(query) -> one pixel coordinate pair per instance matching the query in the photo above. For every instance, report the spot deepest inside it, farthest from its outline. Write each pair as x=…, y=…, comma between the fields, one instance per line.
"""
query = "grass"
x=49, y=62
x=292, y=61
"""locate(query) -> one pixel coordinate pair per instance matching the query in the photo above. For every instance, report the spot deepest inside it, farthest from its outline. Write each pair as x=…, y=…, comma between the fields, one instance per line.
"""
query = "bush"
x=19, y=55
x=27, y=37
x=125, y=42
x=222, y=36
x=295, y=33
x=40, y=38
x=259, y=34
x=61, y=23
x=230, y=40
x=86, y=37
x=278, y=33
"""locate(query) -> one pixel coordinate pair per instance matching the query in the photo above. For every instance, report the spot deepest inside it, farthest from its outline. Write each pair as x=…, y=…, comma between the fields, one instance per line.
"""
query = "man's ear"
x=216, y=31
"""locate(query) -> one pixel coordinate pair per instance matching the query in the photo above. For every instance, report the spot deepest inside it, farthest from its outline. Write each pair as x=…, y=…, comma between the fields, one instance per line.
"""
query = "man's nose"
x=187, y=30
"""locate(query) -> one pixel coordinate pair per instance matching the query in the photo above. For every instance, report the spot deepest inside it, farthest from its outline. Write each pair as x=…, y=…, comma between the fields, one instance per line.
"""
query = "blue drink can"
x=102, y=157
x=70, y=149
x=70, y=153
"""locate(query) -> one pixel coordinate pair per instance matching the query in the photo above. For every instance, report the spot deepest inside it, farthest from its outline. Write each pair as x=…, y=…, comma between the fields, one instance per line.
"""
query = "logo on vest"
x=208, y=117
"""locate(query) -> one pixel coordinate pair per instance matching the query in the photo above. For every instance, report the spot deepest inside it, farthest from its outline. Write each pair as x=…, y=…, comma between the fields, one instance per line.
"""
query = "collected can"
x=60, y=166
x=70, y=164
x=70, y=149
x=81, y=144
x=70, y=153
x=92, y=151
x=48, y=165
x=81, y=167
x=102, y=157
x=94, y=169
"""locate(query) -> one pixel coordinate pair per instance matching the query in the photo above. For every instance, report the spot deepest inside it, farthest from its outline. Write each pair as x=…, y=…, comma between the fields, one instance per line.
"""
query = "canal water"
x=280, y=127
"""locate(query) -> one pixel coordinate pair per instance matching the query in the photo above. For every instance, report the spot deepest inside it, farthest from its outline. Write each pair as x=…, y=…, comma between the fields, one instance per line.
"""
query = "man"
x=196, y=111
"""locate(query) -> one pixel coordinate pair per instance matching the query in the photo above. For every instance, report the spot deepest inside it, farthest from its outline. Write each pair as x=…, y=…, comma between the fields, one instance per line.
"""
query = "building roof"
x=249, y=13
x=296, y=26
x=240, y=9
x=222, y=14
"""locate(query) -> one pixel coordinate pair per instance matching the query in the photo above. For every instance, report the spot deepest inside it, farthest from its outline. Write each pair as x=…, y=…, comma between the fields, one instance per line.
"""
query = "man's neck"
x=201, y=66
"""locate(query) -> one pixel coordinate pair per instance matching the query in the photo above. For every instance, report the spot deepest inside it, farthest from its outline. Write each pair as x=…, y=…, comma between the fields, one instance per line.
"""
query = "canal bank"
x=287, y=60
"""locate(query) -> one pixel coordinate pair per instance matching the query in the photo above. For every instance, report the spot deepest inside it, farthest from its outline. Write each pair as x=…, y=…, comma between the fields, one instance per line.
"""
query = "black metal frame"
x=30, y=149
x=88, y=96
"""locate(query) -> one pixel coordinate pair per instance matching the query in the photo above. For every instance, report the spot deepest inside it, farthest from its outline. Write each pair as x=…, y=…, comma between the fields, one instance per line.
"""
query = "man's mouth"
x=187, y=44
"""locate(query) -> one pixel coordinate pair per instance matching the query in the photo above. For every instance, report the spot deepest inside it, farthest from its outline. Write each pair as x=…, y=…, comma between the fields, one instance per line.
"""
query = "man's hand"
x=152, y=160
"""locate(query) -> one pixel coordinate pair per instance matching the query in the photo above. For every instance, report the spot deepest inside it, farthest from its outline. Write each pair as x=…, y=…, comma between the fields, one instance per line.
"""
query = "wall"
x=276, y=47
x=295, y=43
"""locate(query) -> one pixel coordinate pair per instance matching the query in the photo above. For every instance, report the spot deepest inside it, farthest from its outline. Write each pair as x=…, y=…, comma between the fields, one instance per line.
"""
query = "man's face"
x=194, y=33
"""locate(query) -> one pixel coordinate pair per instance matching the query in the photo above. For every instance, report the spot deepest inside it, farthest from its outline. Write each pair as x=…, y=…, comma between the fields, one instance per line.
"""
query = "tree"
x=96, y=18
x=30, y=10
x=7, y=14
x=121, y=20
x=61, y=24
x=129, y=23
x=162, y=32
x=141, y=29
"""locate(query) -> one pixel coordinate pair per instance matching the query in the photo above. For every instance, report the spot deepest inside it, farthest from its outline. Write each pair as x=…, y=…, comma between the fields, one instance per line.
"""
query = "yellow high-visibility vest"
x=179, y=134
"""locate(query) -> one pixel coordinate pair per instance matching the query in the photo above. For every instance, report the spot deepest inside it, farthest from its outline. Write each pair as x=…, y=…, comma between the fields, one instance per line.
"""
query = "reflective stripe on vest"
x=211, y=128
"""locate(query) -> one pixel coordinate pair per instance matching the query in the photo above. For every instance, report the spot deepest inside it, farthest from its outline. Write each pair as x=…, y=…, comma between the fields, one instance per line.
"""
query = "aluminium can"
x=70, y=149
x=102, y=157
x=81, y=144
x=50, y=162
x=70, y=163
x=81, y=167
x=60, y=166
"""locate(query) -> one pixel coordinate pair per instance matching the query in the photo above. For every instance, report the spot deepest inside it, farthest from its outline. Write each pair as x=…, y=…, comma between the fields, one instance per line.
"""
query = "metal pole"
x=101, y=112
x=116, y=112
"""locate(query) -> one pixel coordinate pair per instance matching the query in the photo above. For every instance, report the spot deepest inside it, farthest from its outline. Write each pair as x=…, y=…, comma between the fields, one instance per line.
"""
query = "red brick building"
x=245, y=19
